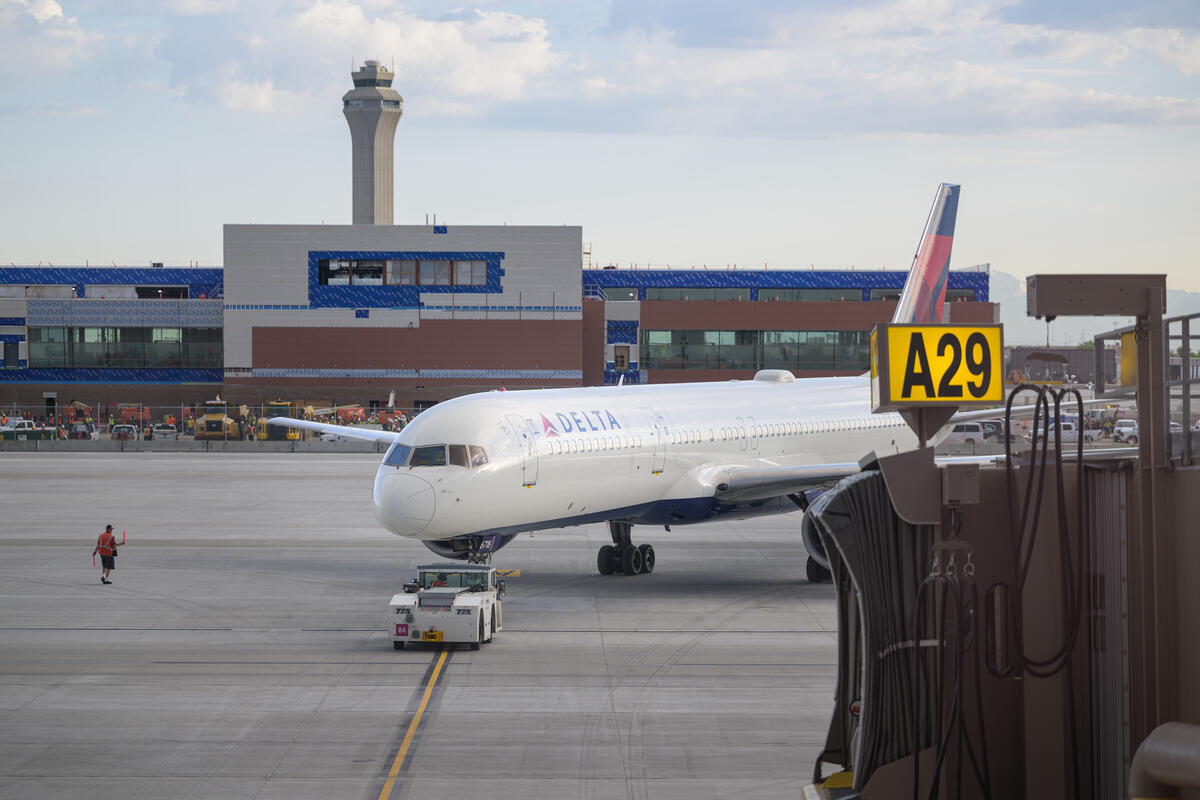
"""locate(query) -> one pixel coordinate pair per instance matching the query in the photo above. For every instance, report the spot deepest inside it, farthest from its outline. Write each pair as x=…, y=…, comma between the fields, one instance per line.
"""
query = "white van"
x=965, y=433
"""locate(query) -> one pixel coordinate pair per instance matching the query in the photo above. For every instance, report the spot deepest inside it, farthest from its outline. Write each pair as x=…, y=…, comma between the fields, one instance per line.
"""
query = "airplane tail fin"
x=925, y=290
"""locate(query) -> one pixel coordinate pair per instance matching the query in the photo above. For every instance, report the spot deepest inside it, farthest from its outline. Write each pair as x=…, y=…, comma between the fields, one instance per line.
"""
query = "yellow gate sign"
x=936, y=365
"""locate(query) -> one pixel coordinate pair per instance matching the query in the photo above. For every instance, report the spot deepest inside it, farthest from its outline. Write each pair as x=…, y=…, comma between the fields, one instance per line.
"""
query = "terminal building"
x=374, y=312
x=358, y=315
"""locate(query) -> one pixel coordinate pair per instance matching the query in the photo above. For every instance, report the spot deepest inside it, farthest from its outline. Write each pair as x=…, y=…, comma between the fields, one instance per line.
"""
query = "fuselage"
x=646, y=454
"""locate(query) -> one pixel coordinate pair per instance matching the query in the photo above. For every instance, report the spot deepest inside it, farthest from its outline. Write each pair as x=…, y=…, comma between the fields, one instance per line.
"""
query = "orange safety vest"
x=106, y=544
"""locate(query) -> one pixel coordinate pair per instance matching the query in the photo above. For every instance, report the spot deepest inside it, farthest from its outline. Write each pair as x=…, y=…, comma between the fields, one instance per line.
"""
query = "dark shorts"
x=108, y=562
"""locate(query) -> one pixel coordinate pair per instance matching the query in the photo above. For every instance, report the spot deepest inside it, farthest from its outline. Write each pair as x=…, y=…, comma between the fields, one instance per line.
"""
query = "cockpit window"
x=478, y=456
x=429, y=456
x=458, y=455
x=398, y=455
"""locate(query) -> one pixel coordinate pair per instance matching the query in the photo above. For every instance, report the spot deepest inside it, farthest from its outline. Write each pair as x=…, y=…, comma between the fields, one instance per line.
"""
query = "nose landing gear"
x=623, y=555
x=479, y=549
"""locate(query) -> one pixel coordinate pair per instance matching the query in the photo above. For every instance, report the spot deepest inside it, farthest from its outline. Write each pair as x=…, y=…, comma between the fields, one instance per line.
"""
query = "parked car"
x=164, y=431
x=965, y=433
x=992, y=428
x=123, y=431
x=81, y=430
x=1070, y=434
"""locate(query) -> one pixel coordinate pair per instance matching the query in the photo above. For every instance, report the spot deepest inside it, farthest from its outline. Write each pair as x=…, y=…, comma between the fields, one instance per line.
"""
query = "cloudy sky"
x=675, y=132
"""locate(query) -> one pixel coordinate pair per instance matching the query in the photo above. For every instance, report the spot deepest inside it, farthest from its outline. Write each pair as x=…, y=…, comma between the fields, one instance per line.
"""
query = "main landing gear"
x=623, y=555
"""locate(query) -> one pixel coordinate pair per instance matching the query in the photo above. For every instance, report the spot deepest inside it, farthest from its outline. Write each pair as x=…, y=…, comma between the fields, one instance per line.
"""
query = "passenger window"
x=398, y=455
x=458, y=455
x=430, y=456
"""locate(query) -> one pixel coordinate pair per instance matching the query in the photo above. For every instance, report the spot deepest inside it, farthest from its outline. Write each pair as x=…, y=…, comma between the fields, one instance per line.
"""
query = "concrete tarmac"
x=241, y=651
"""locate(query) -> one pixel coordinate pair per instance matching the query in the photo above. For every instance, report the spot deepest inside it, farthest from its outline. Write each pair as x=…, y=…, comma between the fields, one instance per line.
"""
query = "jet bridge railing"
x=1177, y=334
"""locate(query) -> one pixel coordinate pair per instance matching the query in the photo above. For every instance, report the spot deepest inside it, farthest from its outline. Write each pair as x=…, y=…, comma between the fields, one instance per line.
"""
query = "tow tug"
x=448, y=603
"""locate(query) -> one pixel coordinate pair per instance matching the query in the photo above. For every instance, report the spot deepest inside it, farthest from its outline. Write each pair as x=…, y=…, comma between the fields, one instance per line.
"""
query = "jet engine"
x=818, y=562
x=812, y=542
x=469, y=548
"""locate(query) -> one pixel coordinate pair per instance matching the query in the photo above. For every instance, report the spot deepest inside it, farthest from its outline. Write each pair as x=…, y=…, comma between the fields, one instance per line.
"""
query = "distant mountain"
x=1009, y=291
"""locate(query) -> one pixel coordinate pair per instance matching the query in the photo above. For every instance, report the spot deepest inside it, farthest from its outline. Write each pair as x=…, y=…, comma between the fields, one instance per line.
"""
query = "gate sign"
x=936, y=365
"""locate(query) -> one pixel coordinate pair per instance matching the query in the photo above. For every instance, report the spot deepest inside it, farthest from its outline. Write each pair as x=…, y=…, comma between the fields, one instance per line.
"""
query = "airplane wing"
x=1018, y=411
x=743, y=485
x=348, y=431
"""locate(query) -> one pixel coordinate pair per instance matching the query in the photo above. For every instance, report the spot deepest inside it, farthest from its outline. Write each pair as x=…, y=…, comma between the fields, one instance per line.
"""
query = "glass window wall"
x=435, y=273
x=130, y=347
x=165, y=348
x=48, y=347
x=810, y=295
x=753, y=350
x=402, y=273
x=695, y=293
x=470, y=273
x=367, y=273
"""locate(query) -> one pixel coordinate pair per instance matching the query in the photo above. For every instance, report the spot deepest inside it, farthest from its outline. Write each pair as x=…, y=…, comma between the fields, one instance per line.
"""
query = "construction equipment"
x=278, y=408
x=214, y=421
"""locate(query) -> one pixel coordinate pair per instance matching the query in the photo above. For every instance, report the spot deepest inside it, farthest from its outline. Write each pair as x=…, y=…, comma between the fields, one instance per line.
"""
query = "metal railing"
x=1177, y=334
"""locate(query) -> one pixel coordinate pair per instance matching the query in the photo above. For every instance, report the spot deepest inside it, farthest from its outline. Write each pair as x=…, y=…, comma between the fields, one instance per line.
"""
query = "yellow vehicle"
x=278, y=408
x=214, y=422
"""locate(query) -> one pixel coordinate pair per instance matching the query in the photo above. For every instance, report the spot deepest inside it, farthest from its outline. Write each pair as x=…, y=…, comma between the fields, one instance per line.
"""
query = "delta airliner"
x=469, y=474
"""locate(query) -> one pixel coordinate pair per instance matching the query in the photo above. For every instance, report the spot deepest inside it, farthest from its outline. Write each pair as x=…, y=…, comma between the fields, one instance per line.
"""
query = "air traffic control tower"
x=372, y=108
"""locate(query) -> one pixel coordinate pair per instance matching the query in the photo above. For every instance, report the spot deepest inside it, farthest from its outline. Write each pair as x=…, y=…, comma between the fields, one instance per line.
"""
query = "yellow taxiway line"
x=398, y=761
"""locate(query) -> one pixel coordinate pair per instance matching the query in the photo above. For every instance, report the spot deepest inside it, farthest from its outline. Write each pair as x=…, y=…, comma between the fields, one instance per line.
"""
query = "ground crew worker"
x=106, y=546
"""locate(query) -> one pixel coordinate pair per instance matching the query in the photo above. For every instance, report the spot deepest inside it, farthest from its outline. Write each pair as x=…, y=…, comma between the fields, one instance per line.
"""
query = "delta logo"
x=565, y=422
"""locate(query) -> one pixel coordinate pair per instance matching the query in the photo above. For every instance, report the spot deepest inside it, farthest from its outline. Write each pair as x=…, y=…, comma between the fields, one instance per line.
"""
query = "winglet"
x=925, y=290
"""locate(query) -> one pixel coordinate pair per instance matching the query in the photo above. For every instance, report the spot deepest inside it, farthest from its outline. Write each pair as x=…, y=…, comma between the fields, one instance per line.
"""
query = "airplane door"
x=753, y=433
x=658, y=441
x=741, y=432
x=528, y=449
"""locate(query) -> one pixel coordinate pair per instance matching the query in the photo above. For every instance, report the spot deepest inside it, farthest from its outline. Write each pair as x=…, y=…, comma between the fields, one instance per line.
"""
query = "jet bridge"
x=1024, y=629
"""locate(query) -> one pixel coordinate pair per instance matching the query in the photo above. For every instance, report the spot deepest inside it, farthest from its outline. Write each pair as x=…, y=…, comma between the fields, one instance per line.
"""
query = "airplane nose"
x=404, y=503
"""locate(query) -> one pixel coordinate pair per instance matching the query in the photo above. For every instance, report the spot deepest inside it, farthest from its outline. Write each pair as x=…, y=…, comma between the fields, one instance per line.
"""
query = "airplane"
x=469, y=474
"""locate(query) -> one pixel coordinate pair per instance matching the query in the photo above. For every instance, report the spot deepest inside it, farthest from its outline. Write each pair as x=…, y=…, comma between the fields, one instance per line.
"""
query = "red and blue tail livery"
x=925, y=290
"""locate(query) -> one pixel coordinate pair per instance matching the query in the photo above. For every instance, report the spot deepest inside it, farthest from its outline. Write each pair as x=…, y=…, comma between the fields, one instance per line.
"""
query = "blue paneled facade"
x=622, y=331
x=400, y=297
x=864, y=280
x=110, y=376
x=202, y=283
